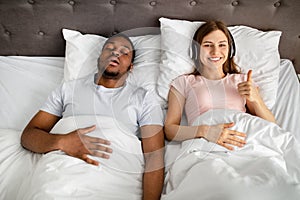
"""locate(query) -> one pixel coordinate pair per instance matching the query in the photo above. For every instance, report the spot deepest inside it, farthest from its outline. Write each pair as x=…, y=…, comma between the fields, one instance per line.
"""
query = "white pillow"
x=256, y=50
x=82, y=52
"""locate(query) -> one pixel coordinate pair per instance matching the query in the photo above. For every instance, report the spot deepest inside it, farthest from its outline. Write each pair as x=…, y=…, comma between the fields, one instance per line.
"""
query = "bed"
x=46, y=42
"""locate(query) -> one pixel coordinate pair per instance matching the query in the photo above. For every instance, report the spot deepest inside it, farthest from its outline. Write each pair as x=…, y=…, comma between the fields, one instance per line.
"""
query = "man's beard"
x=110, y=75
x=114, y=75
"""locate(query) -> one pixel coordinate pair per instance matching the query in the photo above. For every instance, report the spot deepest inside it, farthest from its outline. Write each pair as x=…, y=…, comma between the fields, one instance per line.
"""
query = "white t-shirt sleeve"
x=54, y=103
x=151, y=111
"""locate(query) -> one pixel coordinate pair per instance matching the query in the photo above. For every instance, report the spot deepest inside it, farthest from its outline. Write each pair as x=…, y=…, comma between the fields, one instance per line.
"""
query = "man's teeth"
x=215, y=59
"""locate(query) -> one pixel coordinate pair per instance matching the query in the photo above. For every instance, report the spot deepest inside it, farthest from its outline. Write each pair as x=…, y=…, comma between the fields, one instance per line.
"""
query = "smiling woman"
x=217, y=85
x=219, y=132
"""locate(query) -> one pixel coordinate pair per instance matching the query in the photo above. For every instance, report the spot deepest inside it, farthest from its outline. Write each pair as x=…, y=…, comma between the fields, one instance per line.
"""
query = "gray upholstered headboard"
x=33, y=27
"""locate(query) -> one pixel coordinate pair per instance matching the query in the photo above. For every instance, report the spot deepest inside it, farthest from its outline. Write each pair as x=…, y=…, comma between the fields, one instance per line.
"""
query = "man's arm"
x=153, y=148
x=36, y=138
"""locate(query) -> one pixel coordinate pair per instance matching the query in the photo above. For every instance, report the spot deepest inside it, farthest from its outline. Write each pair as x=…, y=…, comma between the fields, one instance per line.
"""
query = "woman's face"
x=214, y=50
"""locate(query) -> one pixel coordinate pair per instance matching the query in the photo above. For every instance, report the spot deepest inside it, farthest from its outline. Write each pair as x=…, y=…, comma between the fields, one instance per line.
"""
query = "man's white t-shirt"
x=133, y=106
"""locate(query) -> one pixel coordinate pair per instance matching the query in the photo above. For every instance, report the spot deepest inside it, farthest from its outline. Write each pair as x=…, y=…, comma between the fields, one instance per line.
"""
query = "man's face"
x=115, y=58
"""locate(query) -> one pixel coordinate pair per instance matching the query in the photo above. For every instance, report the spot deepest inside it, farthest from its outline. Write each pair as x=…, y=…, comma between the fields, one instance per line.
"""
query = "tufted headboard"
x=33, y=27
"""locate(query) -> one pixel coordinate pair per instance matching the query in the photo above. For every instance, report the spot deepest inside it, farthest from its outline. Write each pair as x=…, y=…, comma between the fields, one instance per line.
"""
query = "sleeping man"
x=105, y=93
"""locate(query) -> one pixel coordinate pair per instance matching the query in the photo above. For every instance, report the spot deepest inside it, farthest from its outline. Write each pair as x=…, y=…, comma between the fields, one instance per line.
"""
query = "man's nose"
x=115, y=53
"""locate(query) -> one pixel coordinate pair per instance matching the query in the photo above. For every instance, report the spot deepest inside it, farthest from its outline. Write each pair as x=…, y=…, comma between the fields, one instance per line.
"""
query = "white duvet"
x=266, y=168
x=54, y=175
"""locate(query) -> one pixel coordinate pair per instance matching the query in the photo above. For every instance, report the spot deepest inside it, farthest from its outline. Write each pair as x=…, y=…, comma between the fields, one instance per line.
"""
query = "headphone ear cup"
x=191, y=53
x=194, y=51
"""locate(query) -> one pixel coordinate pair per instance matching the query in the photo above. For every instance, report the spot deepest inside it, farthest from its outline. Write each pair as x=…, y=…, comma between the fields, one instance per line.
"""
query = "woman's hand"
x=254, y=102
x=248, y=90
x=80, y=145
x=220, y=134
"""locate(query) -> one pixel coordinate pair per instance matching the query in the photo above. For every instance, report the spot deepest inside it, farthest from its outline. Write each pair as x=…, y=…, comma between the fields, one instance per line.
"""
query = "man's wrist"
x=58, y=142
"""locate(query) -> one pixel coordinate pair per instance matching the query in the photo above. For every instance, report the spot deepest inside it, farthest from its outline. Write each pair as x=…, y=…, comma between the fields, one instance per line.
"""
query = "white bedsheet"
x=25, y=83
x=287, y=107
x=267, y=167
x=15, y=163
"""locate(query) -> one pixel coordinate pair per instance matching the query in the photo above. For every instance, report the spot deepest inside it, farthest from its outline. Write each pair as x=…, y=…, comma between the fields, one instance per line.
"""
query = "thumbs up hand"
x=248, y=90
x=249, y=75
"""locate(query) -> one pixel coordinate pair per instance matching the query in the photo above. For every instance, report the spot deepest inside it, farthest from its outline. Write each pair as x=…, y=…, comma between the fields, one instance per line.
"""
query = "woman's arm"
x=259, y=109
x=219, y=133
x=254, y=102
x=172, y=128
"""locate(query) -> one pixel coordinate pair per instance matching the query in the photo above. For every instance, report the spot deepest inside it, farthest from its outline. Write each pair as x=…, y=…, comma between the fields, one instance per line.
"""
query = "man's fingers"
x=89, y=161
x=91, y=139
x=96, y=147
x=86, y=130
x=100, y=154
x=96, y=140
